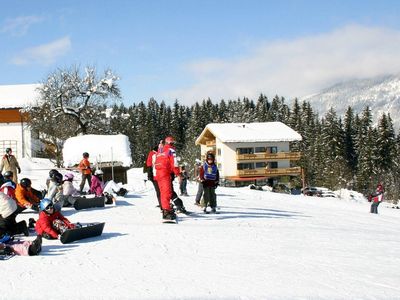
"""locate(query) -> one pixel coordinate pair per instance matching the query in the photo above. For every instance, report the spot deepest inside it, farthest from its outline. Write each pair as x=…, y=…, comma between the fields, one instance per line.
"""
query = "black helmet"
x=210, y=155
x=8, y=150
x=85, y=154
x=8, y=174
x=25, y=182
x=52, y=172
x=57, y=178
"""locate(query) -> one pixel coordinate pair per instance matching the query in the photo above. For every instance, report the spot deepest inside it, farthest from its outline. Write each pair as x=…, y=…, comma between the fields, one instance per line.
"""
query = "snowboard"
x=82, y=202
x=170, y=221
x=80, y=233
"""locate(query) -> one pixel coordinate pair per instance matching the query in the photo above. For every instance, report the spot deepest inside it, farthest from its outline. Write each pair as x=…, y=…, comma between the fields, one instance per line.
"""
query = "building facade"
x=251, y=152
x=14, y=132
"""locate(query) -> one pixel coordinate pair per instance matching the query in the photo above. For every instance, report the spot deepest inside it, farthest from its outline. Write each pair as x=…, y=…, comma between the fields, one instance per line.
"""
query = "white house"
x=251, y=151
x=14, y=132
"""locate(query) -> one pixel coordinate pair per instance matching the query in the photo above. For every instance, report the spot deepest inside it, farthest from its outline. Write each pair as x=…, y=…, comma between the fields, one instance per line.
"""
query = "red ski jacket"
x=45, y=223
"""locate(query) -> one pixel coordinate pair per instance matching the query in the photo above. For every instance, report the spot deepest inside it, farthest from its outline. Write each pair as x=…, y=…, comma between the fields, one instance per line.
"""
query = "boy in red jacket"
x=51, y=223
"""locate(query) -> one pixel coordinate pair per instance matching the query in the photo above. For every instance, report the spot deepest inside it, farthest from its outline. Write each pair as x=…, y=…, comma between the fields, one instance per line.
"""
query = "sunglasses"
x=50, y=206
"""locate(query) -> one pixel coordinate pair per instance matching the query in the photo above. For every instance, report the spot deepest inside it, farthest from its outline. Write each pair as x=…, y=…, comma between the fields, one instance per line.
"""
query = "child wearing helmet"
x=68, y=187
x=99, y=188
x=25, y=196
x=209, y=177
x=51, y=223
x=55, y=192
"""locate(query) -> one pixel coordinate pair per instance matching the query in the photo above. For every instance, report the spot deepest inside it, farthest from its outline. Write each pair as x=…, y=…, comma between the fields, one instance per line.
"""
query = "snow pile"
x=351, y=195
x=101, y=148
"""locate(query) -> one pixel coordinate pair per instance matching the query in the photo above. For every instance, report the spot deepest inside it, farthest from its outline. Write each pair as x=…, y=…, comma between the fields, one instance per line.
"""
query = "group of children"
x=14, y=198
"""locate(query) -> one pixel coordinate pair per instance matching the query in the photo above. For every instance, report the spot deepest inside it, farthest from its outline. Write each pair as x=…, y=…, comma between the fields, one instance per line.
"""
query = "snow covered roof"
x=17, y=95
x=101, y=148
x=249, y=132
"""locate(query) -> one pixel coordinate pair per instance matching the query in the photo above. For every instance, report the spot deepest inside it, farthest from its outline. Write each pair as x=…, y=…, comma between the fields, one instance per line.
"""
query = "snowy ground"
x=262, y=245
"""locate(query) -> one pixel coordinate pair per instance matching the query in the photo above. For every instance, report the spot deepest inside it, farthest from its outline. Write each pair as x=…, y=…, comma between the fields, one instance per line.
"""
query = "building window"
x=260, y=150
x=273, y=149
x=219, y=152
x=260, y=165
x=273, y=165
x=245, y=150
x=245, y=166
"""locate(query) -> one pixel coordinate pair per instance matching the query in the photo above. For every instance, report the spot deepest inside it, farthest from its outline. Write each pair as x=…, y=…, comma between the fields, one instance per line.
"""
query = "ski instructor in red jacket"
x=165, y=164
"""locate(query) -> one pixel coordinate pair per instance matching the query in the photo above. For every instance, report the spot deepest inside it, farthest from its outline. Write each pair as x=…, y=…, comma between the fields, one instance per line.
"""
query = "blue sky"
x=191, y=50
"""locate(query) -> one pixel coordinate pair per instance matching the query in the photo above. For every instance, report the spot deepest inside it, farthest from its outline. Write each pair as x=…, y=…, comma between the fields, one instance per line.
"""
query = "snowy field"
x=262, y=245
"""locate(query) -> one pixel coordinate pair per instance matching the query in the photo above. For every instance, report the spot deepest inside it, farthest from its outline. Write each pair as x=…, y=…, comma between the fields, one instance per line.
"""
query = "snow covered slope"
x=262, y=245
x=381, y=94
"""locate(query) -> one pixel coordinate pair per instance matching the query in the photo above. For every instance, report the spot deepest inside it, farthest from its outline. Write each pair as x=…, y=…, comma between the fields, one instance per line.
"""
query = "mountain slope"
x=381, y=94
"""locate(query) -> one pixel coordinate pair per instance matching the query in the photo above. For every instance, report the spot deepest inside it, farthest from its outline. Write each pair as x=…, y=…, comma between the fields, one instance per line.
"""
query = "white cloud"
x=44, y=54
x=295, y=68
x=19, y=26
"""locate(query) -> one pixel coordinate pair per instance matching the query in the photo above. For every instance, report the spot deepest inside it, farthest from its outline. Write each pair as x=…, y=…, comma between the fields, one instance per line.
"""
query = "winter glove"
x=19, y=170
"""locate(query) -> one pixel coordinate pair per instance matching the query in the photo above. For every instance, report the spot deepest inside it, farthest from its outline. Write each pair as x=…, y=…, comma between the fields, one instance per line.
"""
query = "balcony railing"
x=269, y=172
x=269, y=156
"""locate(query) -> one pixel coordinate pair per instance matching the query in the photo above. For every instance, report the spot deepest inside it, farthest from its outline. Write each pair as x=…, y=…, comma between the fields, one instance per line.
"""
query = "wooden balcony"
x=269, y=156
x=294, y=171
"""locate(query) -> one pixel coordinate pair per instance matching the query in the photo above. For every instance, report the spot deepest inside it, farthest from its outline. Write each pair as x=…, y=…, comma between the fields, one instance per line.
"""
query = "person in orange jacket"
x=86, y=171
x=25, y=196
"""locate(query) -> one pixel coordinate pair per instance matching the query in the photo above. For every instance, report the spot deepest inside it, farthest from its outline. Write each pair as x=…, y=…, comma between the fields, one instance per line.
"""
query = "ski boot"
x=31, y=223
x=36, y=246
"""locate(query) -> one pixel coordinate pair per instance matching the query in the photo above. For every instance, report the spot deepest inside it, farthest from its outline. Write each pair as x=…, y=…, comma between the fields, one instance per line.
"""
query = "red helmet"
x=169, y=140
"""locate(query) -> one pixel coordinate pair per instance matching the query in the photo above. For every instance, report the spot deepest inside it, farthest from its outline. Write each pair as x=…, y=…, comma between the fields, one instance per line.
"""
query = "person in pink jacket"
x=99, y=188
x=25, y=248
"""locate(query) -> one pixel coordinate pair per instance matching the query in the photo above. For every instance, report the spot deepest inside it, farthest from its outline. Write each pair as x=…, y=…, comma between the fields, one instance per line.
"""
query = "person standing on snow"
x=209, y=176
x=86, y=171
x=165, y=164
x=170, y=146
x=198, y=165
x=183, y=178
x=10, y=163
x=151, y=157
x=377, y=198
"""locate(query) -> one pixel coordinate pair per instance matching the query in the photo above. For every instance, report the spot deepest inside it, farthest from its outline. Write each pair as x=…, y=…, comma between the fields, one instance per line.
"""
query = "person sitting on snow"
x=55, y=192
x=51, y=223
x=8, y=214
x=69, y=192
x=25, y=196
x=8, y=187
x=109, y=189
x=10, y=247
